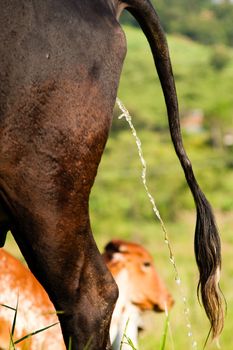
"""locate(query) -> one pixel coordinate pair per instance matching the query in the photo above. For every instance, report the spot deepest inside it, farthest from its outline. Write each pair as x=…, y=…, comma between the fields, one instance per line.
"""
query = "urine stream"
x=125, y=114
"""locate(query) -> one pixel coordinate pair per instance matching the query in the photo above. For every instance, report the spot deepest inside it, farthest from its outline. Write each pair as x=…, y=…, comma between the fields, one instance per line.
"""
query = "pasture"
x=119, y=206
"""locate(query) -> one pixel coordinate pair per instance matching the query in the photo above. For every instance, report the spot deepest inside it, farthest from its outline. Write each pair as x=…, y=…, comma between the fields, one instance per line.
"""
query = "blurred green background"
x=200, y=37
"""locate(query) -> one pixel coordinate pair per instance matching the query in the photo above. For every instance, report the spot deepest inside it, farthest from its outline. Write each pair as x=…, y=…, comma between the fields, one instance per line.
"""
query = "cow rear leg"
x=73, y=273
x=4, y=223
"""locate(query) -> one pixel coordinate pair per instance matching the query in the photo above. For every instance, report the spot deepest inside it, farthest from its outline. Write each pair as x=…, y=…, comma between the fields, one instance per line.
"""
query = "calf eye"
x=146, y=264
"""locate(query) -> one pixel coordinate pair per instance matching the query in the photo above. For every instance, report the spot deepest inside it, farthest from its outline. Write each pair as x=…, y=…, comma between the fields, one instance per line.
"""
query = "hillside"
x=201, y=83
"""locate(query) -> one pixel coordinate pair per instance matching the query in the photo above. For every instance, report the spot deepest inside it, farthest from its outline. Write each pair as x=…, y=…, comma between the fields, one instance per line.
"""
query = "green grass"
x=126, y=340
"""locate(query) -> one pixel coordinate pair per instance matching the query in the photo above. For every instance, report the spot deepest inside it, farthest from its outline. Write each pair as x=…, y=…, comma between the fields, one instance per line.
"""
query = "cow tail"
x=207, y=241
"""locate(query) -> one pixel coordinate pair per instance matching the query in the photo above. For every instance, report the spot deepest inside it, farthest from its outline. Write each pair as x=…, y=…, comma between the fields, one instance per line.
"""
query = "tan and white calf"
x=140, y=289
x=35, y=310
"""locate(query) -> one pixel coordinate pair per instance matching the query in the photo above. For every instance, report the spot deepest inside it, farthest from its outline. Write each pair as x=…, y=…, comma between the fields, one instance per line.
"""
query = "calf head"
x=145, y=287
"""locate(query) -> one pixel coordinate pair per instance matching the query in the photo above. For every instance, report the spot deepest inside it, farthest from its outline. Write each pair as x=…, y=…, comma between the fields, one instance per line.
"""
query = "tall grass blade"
x=122, y=340
x=70, y=343
x=34, y=333
x=164, y=336
x=128, y=340
x=8, y=307
x=15, y=317
x=12, y=345
x=87, y=346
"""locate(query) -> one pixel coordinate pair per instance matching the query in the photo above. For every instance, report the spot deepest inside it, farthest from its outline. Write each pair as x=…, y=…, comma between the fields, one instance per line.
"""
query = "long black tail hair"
x=207, y=242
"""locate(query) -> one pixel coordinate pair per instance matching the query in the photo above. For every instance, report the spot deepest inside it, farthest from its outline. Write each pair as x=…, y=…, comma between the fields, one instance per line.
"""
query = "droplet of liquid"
x=194, y=344
x=172, y=259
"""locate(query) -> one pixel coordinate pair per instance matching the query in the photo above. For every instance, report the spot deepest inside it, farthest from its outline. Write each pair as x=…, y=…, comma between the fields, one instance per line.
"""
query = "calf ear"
x=112, y=251
x=112, y=247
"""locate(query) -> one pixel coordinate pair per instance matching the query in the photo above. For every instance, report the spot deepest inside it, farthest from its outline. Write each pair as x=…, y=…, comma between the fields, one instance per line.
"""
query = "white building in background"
x=192, y=121
x=228, y=138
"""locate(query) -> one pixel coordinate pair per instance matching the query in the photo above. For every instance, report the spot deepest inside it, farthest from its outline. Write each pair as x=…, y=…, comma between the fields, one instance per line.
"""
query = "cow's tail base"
x=207, y=241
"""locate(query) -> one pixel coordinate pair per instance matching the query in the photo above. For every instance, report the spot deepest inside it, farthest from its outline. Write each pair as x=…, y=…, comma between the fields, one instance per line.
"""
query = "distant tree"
x=224, y=15
x=206, y=21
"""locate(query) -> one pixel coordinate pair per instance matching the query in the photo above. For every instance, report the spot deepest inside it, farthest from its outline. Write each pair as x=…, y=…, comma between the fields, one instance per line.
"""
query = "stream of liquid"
x=125, y=114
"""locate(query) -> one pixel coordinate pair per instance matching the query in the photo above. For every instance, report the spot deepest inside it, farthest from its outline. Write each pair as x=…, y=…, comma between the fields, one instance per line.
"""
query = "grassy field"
x=119, y=206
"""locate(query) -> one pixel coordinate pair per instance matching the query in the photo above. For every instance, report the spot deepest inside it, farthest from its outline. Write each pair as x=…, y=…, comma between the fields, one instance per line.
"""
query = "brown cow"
x=61, y=62
x=140, y=288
